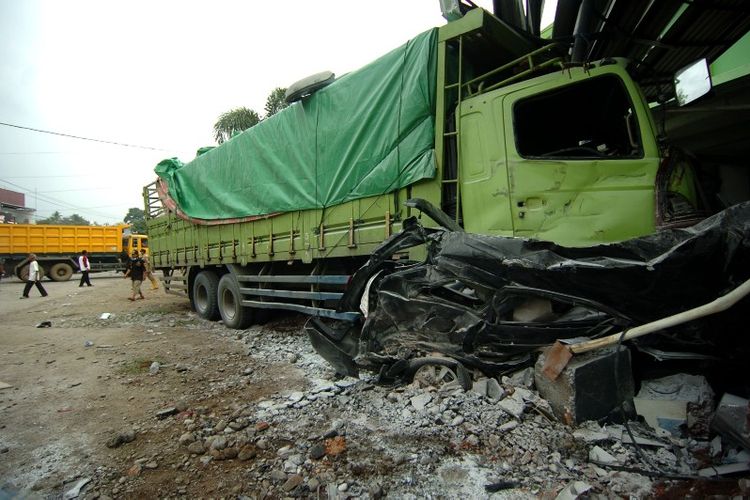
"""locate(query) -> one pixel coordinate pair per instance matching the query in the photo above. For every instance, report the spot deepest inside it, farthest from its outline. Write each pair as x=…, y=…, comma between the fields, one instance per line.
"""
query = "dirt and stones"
x=153, y=402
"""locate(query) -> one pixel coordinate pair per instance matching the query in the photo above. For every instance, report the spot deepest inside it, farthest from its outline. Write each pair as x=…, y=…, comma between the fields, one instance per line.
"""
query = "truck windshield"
x=590, y=119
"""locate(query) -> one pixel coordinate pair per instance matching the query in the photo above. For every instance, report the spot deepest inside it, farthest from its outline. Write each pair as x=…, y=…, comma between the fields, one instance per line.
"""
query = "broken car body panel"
x=470, y=300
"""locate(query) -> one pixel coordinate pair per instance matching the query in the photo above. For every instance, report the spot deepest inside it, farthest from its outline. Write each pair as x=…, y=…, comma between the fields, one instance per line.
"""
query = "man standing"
x=85, y=267
x=149, y=270
x=35, y=278
x=135, y=271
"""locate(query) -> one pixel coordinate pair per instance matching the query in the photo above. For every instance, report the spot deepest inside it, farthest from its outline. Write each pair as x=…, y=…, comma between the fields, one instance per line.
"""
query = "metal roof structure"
x=658, y=36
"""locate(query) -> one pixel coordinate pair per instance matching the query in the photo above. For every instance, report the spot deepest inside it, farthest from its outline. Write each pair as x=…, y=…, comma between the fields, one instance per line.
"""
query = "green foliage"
x=57, y=219
x=137, y=220
x=275, y=101
x=77, y=220
x=237, y=120
x=233, y=122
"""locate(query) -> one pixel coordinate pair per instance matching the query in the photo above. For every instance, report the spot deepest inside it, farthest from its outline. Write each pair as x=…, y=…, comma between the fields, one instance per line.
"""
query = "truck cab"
x=135, y=242
x=532, y=144
x=570, y=157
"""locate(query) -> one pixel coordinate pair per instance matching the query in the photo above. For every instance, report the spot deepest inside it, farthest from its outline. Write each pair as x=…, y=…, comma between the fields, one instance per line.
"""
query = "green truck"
x=474, y=126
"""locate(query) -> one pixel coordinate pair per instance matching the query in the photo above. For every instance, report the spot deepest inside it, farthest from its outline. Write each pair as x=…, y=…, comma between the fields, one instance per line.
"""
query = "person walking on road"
x=85, y=267
x=135, y=270
x=35, y=278
x=149, y=270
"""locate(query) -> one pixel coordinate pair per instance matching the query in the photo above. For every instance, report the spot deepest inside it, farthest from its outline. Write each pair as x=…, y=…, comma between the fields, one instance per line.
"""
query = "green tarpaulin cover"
x=370, y=132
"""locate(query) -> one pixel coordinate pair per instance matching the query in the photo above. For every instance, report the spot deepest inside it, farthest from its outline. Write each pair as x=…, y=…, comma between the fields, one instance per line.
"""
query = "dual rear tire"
x=215, y=298
x=60, y=271
x=233, y=313
x=205, y=289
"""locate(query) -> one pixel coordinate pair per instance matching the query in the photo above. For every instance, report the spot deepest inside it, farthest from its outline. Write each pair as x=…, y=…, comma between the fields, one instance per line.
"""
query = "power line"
x=46, y=176
x=41, y=153
x=56, y=202
x=85, y=138
x=105, y=188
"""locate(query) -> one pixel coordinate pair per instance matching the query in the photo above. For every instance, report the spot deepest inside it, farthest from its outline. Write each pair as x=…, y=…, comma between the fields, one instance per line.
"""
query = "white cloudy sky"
x=158, y=74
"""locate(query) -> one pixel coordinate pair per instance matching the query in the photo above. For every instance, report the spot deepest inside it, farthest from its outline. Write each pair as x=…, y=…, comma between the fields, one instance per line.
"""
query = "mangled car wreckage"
x=490, y=303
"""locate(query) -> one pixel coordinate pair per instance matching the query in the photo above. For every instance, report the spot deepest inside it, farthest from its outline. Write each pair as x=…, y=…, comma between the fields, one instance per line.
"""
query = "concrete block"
x=494, y=390
x=586, y=389
x=480, y=387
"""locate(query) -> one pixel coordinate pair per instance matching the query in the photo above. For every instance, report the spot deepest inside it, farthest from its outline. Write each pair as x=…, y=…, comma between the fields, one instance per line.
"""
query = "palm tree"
x=275, y=101
x=233, y=122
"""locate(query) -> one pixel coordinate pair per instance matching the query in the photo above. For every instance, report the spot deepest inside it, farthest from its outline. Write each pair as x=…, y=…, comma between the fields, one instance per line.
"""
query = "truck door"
x=582, y=159
x=485, y=199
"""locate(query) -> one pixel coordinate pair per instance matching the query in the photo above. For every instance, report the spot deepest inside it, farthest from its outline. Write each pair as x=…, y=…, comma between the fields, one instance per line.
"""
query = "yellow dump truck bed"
x=48, y=239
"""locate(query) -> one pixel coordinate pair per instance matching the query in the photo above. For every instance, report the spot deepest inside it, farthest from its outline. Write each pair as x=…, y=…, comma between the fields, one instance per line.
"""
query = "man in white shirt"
x=85, y=266
x=35, y=278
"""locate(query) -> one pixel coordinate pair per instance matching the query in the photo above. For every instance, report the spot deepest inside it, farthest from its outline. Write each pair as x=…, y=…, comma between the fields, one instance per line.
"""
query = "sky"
x=154, y=76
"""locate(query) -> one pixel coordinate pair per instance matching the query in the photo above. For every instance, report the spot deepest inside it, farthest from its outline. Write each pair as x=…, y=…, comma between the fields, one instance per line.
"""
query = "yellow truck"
x=57, y=248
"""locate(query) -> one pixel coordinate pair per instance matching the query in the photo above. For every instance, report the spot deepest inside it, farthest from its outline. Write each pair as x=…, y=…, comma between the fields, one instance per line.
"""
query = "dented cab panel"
x=573, y=160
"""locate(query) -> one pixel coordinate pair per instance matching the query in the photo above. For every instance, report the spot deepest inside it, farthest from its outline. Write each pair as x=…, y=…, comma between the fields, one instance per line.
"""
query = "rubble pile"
x=349, y=438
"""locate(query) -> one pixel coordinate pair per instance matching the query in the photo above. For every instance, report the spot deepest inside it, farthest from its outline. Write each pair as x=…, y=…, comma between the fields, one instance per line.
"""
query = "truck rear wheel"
x=205, y=289
x=22, y=271
x=60, y=271
x=233, y=313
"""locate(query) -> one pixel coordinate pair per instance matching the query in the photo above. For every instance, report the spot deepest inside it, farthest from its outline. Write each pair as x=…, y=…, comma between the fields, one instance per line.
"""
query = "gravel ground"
x=154, y=402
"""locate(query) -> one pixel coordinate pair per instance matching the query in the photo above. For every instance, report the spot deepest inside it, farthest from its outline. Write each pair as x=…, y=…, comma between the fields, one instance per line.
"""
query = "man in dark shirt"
x=135, y=270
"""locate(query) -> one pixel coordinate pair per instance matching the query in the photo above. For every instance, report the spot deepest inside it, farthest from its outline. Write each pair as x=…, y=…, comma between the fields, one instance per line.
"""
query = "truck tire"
x=60, y=271
x=22, y=271
x=205, y=289
x=233, y=313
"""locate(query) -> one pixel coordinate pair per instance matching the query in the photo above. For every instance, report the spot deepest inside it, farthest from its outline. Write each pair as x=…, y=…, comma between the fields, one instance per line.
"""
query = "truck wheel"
x=204, y=295
x=60, y=271
x=22, y=271
x=233, y=313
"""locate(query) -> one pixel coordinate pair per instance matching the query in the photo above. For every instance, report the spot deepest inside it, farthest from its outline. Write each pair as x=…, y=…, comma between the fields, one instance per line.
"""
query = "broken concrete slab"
x=514, y=404
x=664, y=402
x=3, y=385
x=76, y=489
x=587, y=388
x=725, y=469
x=494, y=390
x=420, y=401
x=166, y=412
x=573, y=490
x=601, y=456
x=642, y=441
x=716, y=446
x=591, y=432
x=523, y=378
x=732, y=420
x=480, y=387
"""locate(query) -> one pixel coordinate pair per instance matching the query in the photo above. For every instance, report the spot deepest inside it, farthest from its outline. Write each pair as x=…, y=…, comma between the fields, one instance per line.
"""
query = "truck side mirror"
x=691, y=82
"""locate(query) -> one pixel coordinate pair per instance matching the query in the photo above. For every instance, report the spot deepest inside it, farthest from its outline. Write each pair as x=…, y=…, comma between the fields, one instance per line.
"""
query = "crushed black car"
x=490, y=303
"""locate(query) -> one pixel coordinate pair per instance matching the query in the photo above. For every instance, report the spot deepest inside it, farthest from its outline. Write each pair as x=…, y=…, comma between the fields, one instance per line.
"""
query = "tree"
x=275, y=101
x=137, y=220
x=233, y=122
x=77, y=220
x=57, y=219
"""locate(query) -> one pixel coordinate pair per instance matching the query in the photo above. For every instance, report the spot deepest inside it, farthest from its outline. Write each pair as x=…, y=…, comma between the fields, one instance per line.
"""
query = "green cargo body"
x=346, y=230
